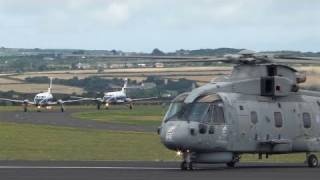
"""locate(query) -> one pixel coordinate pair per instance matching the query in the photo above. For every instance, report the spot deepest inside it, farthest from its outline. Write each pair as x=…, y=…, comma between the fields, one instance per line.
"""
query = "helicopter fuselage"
x=260, y=111
x=246, y=124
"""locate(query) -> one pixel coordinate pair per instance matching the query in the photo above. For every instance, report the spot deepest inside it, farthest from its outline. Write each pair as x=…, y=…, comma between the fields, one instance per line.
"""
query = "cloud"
x=145, y=24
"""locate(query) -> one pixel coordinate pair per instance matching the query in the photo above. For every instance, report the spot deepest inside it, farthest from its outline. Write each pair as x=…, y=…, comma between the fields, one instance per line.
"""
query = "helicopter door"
x=244, y=124
x=219, y=126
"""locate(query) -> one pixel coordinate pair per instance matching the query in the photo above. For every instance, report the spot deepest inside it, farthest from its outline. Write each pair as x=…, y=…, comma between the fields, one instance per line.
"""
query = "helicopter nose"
x=174, y=135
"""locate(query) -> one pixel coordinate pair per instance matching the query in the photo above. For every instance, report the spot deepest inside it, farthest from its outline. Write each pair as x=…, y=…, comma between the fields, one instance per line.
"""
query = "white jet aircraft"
x=115, y=97
x=41, y=100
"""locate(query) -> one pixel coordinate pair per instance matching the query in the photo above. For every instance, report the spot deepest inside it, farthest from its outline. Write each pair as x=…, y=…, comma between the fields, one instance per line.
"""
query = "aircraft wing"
x=70, y=101
x=143, y=99
x=16, y=100
x=77, y=100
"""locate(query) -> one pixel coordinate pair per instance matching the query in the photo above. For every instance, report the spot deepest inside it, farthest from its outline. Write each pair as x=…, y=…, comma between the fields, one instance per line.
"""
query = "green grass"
x=139, y=115
x=283, y=158
x=34, y=142
x=11, y=108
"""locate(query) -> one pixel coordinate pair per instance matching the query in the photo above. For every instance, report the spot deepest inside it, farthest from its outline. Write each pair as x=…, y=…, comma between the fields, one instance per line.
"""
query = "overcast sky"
x=141, y=25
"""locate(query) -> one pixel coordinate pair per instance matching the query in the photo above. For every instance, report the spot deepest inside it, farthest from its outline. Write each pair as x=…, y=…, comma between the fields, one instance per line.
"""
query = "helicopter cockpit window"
x=173, y=110
x=218, y=114
x=176, y=107
x=205, y=109
x=198, y=111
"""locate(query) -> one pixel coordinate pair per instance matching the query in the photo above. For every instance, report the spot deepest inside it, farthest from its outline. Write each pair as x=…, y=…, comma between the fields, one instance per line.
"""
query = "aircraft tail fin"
x=50, y=85
x=125, y=85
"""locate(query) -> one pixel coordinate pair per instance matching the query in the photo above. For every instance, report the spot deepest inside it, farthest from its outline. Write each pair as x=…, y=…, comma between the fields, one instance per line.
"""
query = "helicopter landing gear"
x=312, y=160
x=186, y=166
x=130, y=106
x=236, y=159
x=186, y=163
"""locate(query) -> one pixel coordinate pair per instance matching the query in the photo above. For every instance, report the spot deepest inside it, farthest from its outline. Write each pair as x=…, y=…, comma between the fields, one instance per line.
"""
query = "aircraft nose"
x=174, y=135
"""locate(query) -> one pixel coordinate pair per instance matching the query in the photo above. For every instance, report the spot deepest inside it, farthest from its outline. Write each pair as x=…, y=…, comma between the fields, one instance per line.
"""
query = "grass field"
x=34, y=142
x=139, y=115
x=30, y=142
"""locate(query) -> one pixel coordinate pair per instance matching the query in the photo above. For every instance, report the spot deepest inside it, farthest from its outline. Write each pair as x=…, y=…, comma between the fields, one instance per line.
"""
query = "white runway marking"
x=86, y=167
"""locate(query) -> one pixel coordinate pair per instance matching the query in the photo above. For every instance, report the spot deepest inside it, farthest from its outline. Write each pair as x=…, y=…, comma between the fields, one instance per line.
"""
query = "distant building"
x=83, y=66
x=182, y=52
x=159, y=65
x=148, y=85
x=142, y=65
x=48, y=58
x=117, y=66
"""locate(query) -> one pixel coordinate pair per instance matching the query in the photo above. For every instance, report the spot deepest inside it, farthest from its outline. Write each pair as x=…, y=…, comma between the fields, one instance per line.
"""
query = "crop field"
x=132, y=72
x=36, y=88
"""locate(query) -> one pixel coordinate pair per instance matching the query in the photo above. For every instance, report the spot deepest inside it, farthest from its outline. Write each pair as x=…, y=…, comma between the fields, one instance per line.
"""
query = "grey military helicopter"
x=258, y=109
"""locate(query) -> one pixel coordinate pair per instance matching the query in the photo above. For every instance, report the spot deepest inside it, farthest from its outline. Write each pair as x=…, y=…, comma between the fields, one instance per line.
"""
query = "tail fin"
x=50, y=85
x=125, y=85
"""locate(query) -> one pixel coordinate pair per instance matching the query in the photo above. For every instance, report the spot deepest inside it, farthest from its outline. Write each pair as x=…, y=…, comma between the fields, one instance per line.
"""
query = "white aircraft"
x=41, y=100
x=116, y=97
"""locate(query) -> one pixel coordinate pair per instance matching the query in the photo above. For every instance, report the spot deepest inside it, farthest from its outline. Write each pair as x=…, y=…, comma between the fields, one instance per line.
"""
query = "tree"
x=157, y=52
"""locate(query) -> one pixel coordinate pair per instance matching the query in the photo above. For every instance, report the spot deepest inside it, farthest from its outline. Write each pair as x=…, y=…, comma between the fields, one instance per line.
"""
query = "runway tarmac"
x=56, y=118
x=33, y=170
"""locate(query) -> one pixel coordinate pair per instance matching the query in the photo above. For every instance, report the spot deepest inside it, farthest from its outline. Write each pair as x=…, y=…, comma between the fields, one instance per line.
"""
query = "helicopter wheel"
x=312, y=161
x=98, y=106
x=187, y=162
x=130, y=106
x=186, y=166
x=232, y=163
x=62, y=109
x=25, y=109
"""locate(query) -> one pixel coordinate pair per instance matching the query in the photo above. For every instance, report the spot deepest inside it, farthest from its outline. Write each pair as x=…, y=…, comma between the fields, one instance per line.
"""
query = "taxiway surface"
x=14, y=170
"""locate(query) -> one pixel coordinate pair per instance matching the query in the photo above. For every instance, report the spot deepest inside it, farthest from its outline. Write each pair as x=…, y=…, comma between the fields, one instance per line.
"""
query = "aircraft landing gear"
x=186, y=163
x=25, y=109
x=130, y=106
x=98, y=105
x=312, y=160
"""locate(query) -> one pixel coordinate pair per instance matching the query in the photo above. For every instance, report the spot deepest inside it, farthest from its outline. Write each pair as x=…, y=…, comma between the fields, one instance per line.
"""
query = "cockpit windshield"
x=173, y=110
x=208, y=109
x=198, y=111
